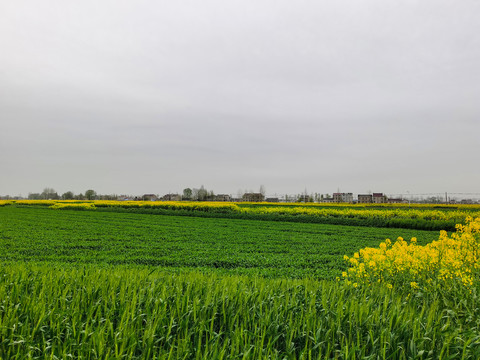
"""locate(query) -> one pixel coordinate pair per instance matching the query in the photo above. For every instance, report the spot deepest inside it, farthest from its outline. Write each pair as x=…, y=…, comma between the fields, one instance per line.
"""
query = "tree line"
x=51, y=194
x=188, y=194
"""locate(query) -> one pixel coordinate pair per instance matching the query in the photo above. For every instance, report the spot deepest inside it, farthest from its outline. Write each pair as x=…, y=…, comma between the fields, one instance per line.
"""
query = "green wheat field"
x=126, y=285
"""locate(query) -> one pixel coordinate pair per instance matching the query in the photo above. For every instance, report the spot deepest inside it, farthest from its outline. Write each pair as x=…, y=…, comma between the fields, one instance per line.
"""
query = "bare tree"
x=195, y=194
x=202, y=193
x=262, y=190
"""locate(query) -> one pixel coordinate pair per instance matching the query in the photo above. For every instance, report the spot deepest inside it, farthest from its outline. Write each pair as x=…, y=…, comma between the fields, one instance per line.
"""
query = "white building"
x=343, y=197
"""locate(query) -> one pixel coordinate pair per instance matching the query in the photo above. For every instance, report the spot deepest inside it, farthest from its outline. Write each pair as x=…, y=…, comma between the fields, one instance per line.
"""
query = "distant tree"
x=262, y=190
x=202, y=193
x=433, y=200
x=34, y=196
x=240, y=193
x=110, y=197
x=195, y=194
x=68, y=195
x=49, y=194
x=210, y=196
x=187, y=194
x=90, y=194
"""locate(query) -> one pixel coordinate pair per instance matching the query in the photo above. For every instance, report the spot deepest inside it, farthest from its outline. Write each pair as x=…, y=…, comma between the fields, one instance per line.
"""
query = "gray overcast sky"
x=154, y=96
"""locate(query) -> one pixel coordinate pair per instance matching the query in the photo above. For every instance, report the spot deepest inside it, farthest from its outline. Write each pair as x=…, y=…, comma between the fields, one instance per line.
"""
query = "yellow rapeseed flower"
x=450, y=258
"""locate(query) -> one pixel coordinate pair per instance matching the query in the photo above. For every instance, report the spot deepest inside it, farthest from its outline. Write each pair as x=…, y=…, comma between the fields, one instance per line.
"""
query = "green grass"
x=269, y=248
x=58, y=312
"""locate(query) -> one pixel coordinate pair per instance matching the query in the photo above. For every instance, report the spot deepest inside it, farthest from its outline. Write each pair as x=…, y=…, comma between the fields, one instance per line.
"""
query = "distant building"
x=395, y=201
x=379, y=198
x=124, y=198
x=343, y=197
x=326, y=199
x=272, y=200
x=149, y=197
x=172, y=197
x=222, y=197
x=253, y=197
x=365, y=198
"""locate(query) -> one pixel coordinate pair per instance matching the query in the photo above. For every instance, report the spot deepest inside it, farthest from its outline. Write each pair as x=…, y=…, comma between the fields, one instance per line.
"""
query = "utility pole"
x=446, y=199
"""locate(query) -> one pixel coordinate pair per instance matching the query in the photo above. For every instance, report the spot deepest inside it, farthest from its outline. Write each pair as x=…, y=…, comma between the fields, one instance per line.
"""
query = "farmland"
x=144, y=283
x=416, y=216
x=213, y=244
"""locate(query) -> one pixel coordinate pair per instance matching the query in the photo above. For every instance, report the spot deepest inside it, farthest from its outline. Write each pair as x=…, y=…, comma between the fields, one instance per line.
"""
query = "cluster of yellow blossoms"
x=75, y=206
x=93, y=204
x=171, y=205
x=439, y=263
x=385, y=214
